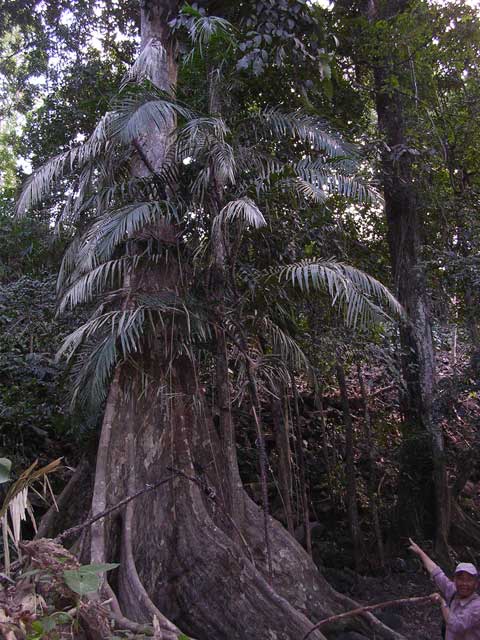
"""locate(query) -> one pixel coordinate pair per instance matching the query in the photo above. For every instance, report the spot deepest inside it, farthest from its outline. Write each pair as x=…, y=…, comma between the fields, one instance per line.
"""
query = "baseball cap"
x=468, y=567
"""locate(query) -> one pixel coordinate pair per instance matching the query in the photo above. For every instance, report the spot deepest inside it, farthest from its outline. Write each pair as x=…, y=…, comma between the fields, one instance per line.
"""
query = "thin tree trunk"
x=372, y=476
x=328, y=465
x=352, y=508
x=282, y=442
x=301, y=468
x=218, y=287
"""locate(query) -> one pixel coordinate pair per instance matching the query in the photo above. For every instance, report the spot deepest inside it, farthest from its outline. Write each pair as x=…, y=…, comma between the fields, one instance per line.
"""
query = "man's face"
x=466, y=584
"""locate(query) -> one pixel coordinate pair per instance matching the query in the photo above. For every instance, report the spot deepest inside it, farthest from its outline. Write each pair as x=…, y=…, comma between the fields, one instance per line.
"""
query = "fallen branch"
x=74, y=530
x=371, y=607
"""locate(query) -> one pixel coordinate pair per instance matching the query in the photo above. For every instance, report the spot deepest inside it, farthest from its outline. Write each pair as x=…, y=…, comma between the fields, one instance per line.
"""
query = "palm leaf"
x=135, y=114
x=354, y=290
x=117, y=226
x=243, y=210
x=40, y=183
x=223, y=161
x=196, y=137
x=203, y=29
x=148, y=62
x=283, y=344
x=95, y=281
x=298, y=126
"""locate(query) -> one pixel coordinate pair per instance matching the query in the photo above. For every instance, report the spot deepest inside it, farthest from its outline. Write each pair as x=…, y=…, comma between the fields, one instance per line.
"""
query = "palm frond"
x=223, y=160
x=257, y=163
x=136, y=113
x=95, y=281
x=113, y=322
x=115, y=227
x=193, y=135
x=304, y=189
x=39, y=184
x=355, y=291
x=285, y=346
x=298, y=126
x=93, y=370
x=243, y=210
x=317, y=184
x=95, y=144
x=149, y=60
x=203, y=28
x=68, y=263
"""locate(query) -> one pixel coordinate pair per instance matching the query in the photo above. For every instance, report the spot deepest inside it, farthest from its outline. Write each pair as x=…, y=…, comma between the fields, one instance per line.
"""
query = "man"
x=460, y=603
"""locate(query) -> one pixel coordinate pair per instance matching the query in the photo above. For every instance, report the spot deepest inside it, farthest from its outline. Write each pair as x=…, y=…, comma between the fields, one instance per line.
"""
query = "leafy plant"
x=86, y=579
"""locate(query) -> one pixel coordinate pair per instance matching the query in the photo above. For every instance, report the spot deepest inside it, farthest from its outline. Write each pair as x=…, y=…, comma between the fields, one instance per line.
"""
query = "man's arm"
x=427, y=562
x=445, y=585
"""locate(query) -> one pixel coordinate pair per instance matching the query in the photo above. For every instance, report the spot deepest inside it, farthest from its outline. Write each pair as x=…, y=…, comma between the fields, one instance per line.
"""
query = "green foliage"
x=86, y=579
x=32, y=383
x=43, y=627
x=272, y=165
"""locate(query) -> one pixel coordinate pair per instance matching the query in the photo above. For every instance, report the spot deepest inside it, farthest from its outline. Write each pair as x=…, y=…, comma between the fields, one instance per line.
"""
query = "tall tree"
x=162, y=192
x=424, y=477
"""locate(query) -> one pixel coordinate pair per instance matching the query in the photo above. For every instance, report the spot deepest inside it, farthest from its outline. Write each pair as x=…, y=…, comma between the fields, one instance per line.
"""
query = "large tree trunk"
x=423, y=473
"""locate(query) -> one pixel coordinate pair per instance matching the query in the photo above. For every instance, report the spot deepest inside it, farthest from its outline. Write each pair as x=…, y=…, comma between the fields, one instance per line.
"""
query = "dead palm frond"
x=16, y=505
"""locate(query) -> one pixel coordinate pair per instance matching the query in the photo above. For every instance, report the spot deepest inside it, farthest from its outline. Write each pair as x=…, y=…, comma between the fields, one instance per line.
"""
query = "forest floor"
x=421, y=622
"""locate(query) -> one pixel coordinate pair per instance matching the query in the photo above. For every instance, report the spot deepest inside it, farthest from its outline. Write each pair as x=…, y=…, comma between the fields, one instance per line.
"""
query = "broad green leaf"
x=5, y=467
x=48, y=624
x=98, y=568
x=86, y=579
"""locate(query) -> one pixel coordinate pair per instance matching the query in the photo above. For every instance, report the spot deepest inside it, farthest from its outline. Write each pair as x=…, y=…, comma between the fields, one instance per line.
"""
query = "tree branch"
x=74, y=530
x=371, y=607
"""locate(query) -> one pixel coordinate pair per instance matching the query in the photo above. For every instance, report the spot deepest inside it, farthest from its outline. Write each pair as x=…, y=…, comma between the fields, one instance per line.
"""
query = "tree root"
x=182, y=564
